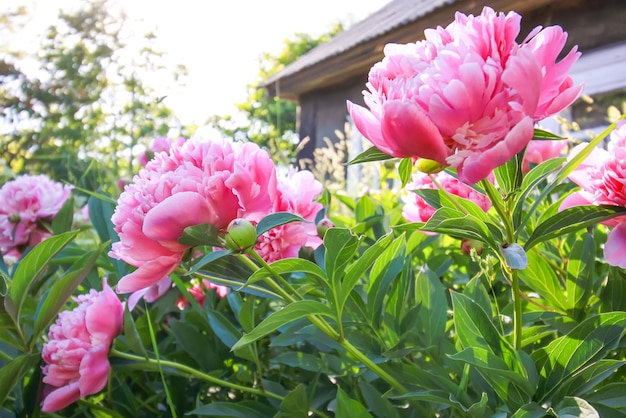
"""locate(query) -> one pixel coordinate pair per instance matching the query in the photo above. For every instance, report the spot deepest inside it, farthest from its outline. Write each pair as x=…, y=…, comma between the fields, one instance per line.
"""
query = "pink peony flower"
x=76, y=354
x=602, y=176
x=539, y=151
x=416, y=209
x=151, y=293
x=26, y=202
x=468, y=95
x=296, y=194
x=160, y=144
x=199, y=181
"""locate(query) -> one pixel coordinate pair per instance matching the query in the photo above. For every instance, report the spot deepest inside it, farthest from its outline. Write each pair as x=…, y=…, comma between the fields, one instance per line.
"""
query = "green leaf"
x=34, y=264
x=572, y=219
x=246, y=409
x=289, y=313
x=341, y=245
x=541, y=278
x=612, y=395
x=304, y=361
x=587, y=378
x=588, y=342
x=541, y=134
x=62, y=221
x=208, y=258
x=613, y=294
x=376, y=402
x=287, y=266
x=531, y=410
x=223, y=328
x=203, y=234
x=405, y=170
x=14, y=371
x=370, y=155
x=509, y=175
x=431, y=296
x=62, y=289
x=580, y=272
x=356, y=270
x=457, y=224
x=572, y=407
x=192, y=341
x=349, y=408
x=276, y=219
x=386, y=268
x=132, y=335
x=295, y=404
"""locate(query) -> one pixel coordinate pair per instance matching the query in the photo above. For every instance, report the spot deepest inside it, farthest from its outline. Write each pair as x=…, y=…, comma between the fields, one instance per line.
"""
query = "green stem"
x=517, y=313
x=277, y=276
x=496, y=200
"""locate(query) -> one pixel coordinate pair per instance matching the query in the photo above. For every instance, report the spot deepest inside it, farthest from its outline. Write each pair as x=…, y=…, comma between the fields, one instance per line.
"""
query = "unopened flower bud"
x=14, y=218
x=429, y=166
x=467, y=245
x=324, y=225
x=240, y=235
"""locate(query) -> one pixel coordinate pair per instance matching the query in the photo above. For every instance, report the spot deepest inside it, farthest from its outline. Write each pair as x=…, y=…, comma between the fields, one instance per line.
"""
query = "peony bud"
x=324, y=225
x=429, y=166
x=240, y=235
x=467, y=245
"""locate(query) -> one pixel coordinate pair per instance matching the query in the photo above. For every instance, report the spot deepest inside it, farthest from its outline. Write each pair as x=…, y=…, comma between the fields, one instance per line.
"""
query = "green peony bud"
x=324, y=225
x=429, y=166
x=240, y=235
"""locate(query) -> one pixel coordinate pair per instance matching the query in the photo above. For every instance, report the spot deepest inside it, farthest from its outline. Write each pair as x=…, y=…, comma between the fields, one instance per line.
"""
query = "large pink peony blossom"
x=199, y=181
x=297, y=192
x=26, y=203
x=416, y=209
x=76, y=354
x=468, y=95
x=602, y=177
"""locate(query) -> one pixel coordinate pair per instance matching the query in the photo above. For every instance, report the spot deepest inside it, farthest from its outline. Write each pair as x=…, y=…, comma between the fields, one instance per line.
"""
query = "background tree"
x=84, y=110
x=271, y=121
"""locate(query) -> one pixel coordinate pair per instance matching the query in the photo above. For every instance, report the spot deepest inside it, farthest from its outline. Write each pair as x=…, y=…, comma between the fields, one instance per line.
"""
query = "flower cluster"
x=76, y=354
x=468, y=95
x=602, y=177
x=416, y=209
x=204, y=181
x=28, y=203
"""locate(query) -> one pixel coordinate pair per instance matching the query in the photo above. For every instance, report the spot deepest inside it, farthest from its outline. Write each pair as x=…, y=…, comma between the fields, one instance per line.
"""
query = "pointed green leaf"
x=208, y=258
x=386, y=268
x=572, y=407
x=509, y=175
x=370, y=155
x=289, y=265
x=62, y=289
x=132, y=335
x=341, y=245
x=246, y=409
x=349, y=408
x=203, y=234
x=295, y=404
x=580, y=272
x=457, y=224
x=572, y=219
x=541, y=278
x=289, y=313
x=62, y=221
x=14, y=371
x=431, y=296
x=276, y=219
x=612, y=395
x=33, y=265
x=541, y=134
x=405, y=170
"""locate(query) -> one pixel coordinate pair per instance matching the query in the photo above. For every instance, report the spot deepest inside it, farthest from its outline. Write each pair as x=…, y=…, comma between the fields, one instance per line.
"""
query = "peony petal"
x=148, y=273
x=581, y=198
x=615, y=247
x=369, y=126
x=480, y=164
x=61, y=397
x=167, y=220
x=94, y=370
x=409, y=132
x=104, y=316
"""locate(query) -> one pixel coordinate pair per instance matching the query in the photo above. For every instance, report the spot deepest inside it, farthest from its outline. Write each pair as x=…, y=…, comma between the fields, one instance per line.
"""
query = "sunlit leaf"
x=276, y=219
x=370, y=155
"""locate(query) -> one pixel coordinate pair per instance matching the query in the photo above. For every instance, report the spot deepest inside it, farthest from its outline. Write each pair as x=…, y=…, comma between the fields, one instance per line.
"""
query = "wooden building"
x=323, y=79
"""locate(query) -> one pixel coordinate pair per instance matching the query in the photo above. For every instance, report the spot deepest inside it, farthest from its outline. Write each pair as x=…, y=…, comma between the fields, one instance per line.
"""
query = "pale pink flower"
x=160, y=144
x=297, y=192
x=197, y=292
x=468, y=95
x=602, y=177
x=76, y=354
x=25, y=204
x=539, y=151
x=151, y=293
x=416, y=209
x=199, y=181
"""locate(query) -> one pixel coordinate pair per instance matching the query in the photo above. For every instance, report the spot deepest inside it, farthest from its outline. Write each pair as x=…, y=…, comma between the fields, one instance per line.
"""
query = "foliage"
x=84, y=104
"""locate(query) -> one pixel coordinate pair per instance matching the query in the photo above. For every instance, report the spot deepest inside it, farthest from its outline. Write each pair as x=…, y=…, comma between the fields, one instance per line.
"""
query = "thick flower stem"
x=517, y=313
x=324, y=326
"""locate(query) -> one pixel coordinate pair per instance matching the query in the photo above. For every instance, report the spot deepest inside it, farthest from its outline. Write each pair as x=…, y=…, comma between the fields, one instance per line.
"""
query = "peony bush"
x=488, y=283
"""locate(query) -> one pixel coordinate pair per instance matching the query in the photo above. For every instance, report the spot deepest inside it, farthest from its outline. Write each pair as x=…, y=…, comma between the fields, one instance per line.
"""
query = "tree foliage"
x=86, y=106
x=271, y=121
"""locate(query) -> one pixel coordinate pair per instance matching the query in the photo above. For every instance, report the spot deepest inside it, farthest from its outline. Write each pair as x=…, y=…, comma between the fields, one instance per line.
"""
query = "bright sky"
x=220, y=41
